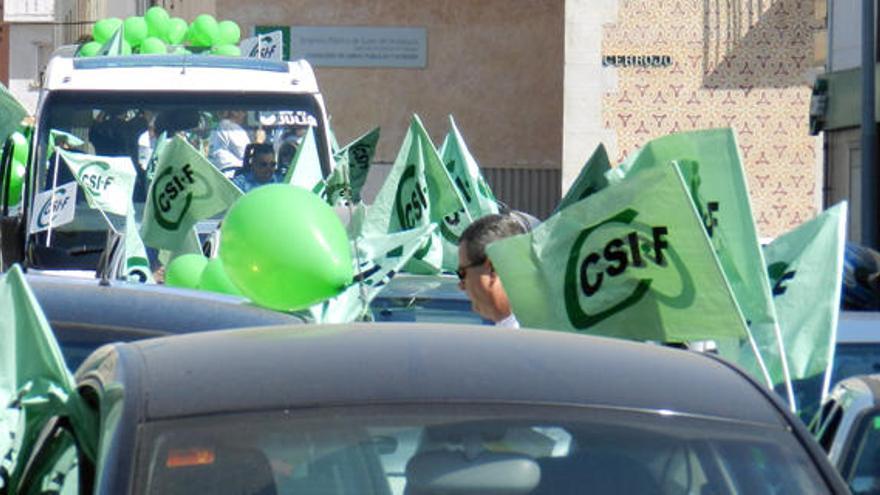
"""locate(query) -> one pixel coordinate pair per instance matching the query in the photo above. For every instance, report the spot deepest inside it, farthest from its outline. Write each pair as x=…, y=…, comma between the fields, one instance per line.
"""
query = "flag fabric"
x=188, y=244
x=377, y=260
x=107, y=181
x=337, y=187
x=113, y=47
x=417, y=192
x=476, y=196
x=632, y=261
x=35, y=383
x=710, y=163
x=805, y=267
x=137, y=264
x=590, y=179
x=186, y=188
x=11, y=113
x=358, y=156
x=305, y=167
x=55, y=135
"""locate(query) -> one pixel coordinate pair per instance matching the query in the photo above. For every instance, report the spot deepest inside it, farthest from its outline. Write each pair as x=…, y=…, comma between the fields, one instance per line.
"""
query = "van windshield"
x=127, y=126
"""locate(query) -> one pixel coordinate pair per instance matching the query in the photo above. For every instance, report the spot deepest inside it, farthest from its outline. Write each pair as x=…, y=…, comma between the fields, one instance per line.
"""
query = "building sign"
x=339, y=46
x=646, y=61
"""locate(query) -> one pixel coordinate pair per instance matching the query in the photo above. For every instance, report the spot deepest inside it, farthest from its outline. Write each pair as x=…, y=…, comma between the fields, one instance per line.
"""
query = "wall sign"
x=341, y=46
x=636, y=61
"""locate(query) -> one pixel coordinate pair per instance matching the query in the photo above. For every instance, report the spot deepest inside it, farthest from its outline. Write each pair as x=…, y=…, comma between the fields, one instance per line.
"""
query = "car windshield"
x=220, y=126
x=473, y=449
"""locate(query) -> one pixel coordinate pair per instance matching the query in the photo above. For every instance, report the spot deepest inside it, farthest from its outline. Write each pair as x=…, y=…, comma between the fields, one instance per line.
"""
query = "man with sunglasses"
x=476, y=275
x=259, y=168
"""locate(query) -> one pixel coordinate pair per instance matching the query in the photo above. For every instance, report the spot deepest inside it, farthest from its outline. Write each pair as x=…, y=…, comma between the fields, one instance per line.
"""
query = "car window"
x=863, y=477
x=429, y=310
x=477, y=449
x=855, y=358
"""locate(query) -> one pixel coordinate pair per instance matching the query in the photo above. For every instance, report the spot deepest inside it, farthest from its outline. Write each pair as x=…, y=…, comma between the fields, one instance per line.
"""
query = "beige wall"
x=495, y=65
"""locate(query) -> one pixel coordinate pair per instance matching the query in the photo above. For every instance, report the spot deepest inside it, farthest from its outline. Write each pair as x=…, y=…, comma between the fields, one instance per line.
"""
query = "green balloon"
x=126, y=48
x=89, y=49
x=230, y=33
x=19, y=147
x=205, y=31
x=157, y=20
x=135, y=30
x=153, y=46
x=214, y=279
x=177, y=28
x=16, y=179
x=226, y=50
x=285, y=248
x=185, y=271
x=105, y=28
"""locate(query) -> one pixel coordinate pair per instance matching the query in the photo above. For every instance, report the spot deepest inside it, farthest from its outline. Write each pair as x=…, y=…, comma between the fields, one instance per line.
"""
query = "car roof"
x=180, y=73
x=858, y=327
x=359, y=364
x=140, y=307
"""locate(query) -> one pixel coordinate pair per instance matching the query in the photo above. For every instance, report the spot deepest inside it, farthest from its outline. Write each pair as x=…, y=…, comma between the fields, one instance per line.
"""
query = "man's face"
x=477, y=282
x=264, y=167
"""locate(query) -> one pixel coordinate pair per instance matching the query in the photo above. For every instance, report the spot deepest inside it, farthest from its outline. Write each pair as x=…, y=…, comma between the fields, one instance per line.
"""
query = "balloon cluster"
x=156, y=31
x=281, y=246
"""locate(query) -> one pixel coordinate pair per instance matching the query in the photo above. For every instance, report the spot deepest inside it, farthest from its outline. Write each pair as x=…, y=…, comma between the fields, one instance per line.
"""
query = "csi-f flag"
x=305, y=168
x=11, y=113
x=805, y=267
x=186, y=188
x=590, y=180
x=417, y=192
x=35, y=384
x=107, y=181
x=355, y=158
x=137, y=265
x=710, y=163
x=377, y=261
x=633, y=261
x=478, y=200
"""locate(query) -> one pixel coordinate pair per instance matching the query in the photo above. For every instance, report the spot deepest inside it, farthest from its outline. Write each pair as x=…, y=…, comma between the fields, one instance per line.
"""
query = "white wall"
x=585, y=82
x=30, y=46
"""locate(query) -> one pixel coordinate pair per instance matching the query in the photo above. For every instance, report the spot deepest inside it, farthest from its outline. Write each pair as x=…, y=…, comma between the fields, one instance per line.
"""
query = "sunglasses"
x=462, y=270
x=264, y=164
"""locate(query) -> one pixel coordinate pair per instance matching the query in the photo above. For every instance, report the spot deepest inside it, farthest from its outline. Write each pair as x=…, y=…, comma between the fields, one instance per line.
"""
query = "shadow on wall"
x=757, y=43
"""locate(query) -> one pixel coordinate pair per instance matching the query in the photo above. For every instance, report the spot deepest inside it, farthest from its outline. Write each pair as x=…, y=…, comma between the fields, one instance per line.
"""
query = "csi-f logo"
x=95, y=179
x=52, y=208
x=591, y=272
x=411, y=202
x=780, y=275
x=173, y=192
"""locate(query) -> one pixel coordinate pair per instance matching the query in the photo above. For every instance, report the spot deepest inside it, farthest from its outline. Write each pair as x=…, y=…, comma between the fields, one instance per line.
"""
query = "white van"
x=117, y=106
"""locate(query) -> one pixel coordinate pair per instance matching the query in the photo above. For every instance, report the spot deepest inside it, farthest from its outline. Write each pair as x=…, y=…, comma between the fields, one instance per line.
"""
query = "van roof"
x=180, y=73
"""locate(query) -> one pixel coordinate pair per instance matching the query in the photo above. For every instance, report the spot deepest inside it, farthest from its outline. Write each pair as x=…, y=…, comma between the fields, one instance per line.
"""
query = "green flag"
x=589, y=180
x=11, y=113
x=57, y=137
x=114, y=46
x=35, y=383
x=137, y=265
x=357, y=156
x=186, y=188
x=305, y=167
x=188, y=244
x=711, y=165
x=477, y=198
x=632, y=261
x=108, y=181
x=805, y=266
x=377, y=260
x=418, y=191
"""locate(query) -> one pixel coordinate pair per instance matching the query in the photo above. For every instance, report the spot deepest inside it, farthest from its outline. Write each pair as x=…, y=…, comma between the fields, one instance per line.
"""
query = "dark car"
x=848, y=427
x=423, y=409
x=85, y=314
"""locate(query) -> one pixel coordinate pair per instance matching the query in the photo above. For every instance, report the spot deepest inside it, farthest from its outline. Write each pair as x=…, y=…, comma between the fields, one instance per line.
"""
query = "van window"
x=220, y=126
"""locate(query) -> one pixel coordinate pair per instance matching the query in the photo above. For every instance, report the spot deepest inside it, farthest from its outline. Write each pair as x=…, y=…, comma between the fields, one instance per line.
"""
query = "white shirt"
x=509, y=322
x=226, y=147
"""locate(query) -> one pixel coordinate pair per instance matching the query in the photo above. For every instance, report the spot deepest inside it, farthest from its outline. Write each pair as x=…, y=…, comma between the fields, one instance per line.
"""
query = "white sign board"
x=339, y=46
x=269, y=46
x=54, y=207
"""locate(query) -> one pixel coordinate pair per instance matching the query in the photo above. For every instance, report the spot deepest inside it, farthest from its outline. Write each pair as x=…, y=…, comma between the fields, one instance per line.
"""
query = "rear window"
x=857, y=358
x=470, y=449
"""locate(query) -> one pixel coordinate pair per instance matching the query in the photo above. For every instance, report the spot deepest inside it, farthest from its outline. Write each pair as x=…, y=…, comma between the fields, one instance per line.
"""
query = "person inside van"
x=259, y=169
x=228, y=141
